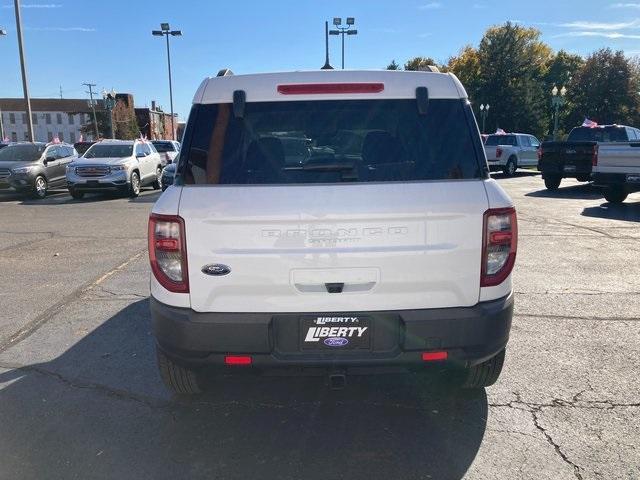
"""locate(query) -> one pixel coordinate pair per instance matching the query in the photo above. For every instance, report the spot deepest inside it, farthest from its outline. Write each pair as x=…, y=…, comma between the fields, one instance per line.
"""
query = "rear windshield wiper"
x=328, y=167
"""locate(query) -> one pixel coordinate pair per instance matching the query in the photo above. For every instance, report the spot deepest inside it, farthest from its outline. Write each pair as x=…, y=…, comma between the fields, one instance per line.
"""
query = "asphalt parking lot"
x=80, y=396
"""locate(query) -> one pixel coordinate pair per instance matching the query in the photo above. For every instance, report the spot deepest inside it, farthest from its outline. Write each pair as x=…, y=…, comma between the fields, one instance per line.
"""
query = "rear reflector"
x=330, y=88
x=237, y=360
x=434, y=356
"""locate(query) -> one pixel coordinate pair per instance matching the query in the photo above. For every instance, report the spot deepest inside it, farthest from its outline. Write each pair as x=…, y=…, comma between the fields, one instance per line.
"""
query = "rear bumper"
x=564, y=169
x=470, y=335
x=628, y=182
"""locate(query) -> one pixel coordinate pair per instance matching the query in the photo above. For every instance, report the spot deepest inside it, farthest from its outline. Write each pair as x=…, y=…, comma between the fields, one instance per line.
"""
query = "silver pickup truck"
x=509, y=151
x=616, y=168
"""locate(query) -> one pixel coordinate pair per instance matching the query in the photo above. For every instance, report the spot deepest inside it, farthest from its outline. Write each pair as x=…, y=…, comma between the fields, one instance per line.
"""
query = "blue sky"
x=69, y=42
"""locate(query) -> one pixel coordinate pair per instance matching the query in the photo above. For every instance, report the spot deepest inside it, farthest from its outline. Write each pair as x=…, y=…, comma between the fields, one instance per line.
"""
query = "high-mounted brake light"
x=499, y=245
x=594, y=156
x=330, y=88
x=168, y=253
x=434, y=356
x=498, y=152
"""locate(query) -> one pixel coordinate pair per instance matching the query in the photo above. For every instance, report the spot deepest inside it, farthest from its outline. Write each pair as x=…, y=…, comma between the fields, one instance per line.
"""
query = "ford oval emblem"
x=216, y=270
x=336, y=341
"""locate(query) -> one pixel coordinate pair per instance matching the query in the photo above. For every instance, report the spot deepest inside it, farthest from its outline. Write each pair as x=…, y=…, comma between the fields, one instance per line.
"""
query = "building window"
x=60, y=136
x=71, y=119
x=14, y=137
x=34, y=118
x=26, y=136
x=47, y=118
x=50, y=136
x=72, y=137
x=59, y=118
x=12, y=119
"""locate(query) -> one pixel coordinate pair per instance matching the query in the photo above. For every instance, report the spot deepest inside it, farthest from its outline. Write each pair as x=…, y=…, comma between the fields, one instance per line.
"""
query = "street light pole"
x=557, y=101
x=3, y=32
x=23, y=68
x=337, y=22
x=166, y=31
x=109, y=103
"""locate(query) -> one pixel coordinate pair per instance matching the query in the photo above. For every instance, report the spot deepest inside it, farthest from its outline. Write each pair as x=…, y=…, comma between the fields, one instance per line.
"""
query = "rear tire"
x=552, y=182
x=76, y=194
x=511, y=167
x=583, y=178
x=615, y=194
x=40, y=187
x=485, y=374
x=134, y=187
x=157, y=185
x=178, y=379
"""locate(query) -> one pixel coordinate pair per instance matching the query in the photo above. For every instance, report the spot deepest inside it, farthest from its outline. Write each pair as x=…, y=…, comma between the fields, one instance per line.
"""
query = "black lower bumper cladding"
x=470, y=335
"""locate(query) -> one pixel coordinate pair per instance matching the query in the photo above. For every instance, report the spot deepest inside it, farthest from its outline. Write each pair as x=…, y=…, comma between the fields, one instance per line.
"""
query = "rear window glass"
x=330, y=142
x=109, y=151
x=495, y=140
x=163, y=147
x=606, y=134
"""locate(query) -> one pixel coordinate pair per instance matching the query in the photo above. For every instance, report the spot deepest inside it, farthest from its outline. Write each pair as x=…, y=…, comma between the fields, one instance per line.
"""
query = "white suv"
x=122, y=166
x=344, y=221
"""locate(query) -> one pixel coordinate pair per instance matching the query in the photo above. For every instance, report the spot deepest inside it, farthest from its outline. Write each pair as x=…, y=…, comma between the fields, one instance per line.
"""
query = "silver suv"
x=115, y=166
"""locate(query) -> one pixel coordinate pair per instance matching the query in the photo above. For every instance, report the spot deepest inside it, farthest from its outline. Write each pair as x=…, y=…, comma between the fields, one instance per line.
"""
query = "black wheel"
x=76, y=194
x=134, y=187
x=178, y=379
x=40, y=187
x=615, y=194
x=157, y=185
x=583, y=178
x=485, y=374
x=552, y=182
x=511, y=167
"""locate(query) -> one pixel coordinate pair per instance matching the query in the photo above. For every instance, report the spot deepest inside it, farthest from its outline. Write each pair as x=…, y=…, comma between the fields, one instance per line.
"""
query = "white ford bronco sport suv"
x=340, y=221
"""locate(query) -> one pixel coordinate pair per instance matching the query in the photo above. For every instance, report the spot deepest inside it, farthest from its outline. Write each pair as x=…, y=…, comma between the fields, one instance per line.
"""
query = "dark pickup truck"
x=575, y=157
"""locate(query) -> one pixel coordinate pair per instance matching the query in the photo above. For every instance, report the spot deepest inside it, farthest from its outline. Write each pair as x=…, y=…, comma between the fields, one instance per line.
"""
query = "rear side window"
x=163, y=147
x=495, y=140
x=599, y=134
x=329, y=142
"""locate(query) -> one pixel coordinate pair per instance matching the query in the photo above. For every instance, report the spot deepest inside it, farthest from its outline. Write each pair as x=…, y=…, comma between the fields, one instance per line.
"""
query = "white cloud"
x=626, y=5
x=424, y=35
x=600, y=34
x=60, y=29
x=430, y=6
x=35, y=5
x=600, y=25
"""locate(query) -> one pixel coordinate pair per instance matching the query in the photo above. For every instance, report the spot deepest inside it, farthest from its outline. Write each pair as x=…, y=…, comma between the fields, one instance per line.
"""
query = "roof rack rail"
x=225, y=72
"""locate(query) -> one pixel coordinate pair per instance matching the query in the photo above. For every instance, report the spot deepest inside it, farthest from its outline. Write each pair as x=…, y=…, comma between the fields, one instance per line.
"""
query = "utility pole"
x=3, y=32
x=93, y=107
x=23, y=68
x=60, y=92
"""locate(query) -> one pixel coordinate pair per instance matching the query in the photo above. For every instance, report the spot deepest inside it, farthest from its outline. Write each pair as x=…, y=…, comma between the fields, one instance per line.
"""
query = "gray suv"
x=35, y=167
x=122, y=166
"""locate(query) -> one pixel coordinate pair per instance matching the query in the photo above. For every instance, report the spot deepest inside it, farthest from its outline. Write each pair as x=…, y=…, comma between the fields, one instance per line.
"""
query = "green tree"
x=419, y=63
x=393, y=65
x=466, y=66
x=563, y=67
x=606, y=90
x=102, y=119
x=513, y=65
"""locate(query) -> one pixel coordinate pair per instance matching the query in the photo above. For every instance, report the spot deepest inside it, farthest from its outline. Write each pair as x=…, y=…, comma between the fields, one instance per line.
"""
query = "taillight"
x=594, y=156
x=499, y=246
x=168, y=253
x=498, y=152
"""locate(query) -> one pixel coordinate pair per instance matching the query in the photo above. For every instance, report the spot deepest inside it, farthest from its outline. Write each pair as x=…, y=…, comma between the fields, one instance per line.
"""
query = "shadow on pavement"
x=628, y=211
x=62, y=197
x=584, y=191
x=99, y=411
x=520, y=173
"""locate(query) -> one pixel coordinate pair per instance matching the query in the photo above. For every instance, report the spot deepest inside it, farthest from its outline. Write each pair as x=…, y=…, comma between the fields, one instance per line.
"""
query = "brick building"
x=155, y=123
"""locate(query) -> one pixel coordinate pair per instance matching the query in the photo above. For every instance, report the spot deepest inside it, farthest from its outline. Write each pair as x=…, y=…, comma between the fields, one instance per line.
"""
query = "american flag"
x=589, y=123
